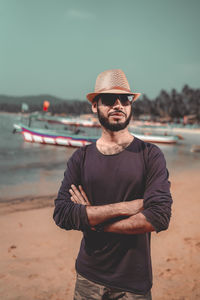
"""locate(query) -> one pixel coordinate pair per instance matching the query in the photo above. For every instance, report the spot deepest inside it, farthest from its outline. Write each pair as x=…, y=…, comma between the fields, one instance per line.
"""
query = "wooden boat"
x=195, y=148
x=67, y=138
x=66, y=121
x=53, y=137
x=163, y=139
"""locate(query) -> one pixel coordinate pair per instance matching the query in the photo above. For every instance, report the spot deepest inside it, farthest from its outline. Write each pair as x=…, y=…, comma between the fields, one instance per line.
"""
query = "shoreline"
x=26, y=203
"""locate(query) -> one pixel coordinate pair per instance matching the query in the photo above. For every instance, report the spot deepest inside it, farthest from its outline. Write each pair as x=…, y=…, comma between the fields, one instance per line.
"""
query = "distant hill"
x=35, y=103
x=38, y=100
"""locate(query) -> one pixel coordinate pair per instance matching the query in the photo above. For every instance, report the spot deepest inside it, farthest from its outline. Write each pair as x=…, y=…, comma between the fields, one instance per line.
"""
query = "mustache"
x=116, y=111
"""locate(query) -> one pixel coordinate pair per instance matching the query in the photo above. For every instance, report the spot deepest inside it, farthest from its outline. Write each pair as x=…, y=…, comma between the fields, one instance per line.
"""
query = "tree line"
x=172, y=106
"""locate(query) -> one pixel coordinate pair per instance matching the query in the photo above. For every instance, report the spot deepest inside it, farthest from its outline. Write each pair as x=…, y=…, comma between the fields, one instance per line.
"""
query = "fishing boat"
x=162, y=139
x=68, y=138
x=67, y=121
x=195, y=148
x=53, y=137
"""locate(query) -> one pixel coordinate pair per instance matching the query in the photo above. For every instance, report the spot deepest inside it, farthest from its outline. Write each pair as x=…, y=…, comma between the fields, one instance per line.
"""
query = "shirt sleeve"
x=157, y=196
x=67, y=214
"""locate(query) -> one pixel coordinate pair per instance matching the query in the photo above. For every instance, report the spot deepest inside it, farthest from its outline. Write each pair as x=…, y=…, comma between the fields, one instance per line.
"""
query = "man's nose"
x=117, y=103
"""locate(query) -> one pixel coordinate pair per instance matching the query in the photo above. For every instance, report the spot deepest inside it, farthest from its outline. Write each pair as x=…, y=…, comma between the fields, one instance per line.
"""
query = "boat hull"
x=52, y=138
x=157, y=139
x=46, y=136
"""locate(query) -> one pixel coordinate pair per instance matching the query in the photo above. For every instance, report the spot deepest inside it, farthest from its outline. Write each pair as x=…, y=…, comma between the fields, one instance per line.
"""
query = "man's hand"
x=78, y=195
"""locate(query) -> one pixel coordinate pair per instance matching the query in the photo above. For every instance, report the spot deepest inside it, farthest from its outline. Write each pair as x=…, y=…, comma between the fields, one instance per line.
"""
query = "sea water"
x=30, y=169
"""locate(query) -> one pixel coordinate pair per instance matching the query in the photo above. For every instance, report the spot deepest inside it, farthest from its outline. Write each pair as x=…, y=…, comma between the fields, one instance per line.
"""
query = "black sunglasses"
x=110, y=99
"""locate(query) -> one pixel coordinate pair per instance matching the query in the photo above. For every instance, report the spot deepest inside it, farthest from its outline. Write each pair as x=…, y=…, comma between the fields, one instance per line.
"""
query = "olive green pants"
x=88, y=290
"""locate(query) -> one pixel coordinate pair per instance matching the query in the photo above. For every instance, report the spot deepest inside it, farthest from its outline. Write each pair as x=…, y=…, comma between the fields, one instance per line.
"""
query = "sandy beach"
x=37, y=258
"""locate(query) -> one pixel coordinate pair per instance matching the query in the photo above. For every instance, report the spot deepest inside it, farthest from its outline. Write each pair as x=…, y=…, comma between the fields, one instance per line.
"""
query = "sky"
x=58, y=47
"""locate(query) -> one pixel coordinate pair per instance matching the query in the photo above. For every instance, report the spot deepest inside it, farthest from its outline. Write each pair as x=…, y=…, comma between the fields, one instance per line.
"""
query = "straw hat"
x=113, y=82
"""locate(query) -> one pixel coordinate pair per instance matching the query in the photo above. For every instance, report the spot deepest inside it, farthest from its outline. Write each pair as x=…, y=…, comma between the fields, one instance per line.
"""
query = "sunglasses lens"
x=130, y=98
x=126, y=99
x=110, y=99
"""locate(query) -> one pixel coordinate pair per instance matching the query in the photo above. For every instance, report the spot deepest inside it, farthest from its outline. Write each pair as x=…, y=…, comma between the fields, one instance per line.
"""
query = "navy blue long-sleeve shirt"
x=139, y=171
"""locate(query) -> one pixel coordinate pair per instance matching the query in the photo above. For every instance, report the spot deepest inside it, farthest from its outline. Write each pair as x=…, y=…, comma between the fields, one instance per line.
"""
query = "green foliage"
x=172, y=105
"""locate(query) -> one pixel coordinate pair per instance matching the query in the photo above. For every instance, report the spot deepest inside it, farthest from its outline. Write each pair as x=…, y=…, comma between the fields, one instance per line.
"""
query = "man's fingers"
x=74, y=198
x=84, y=195
x=77, y=193
x=78, y=196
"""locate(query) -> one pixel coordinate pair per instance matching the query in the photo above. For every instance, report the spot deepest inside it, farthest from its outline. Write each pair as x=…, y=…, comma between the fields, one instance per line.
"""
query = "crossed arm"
x=133, y=221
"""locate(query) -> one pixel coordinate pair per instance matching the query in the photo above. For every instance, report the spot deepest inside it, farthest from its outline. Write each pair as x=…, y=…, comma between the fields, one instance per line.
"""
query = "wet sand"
x=37, y=258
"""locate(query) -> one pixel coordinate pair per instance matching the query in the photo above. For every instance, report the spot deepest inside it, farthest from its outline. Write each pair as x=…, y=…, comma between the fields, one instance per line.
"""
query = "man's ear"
x=94, y=107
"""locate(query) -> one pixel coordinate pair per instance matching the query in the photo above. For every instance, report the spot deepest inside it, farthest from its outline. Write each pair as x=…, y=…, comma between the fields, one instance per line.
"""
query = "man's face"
x=114, y=117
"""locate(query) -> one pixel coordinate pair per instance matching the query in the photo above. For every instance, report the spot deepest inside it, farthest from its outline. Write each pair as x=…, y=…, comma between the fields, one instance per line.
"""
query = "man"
x=116, y=191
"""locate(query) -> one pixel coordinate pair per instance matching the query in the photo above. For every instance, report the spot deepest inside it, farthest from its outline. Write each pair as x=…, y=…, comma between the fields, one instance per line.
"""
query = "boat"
x=71, y=139
x=195, y=148
x=53, y=137
x=152, y=138
x=64, y=120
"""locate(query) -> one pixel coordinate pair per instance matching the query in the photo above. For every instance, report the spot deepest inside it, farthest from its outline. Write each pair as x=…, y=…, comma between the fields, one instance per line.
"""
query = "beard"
x=104, y=121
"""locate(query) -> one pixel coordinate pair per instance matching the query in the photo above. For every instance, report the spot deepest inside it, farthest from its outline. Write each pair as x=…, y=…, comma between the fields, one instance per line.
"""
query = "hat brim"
x=91, y=96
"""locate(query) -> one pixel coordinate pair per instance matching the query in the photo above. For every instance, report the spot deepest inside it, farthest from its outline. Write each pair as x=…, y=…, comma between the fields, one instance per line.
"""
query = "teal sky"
x=60, y=46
